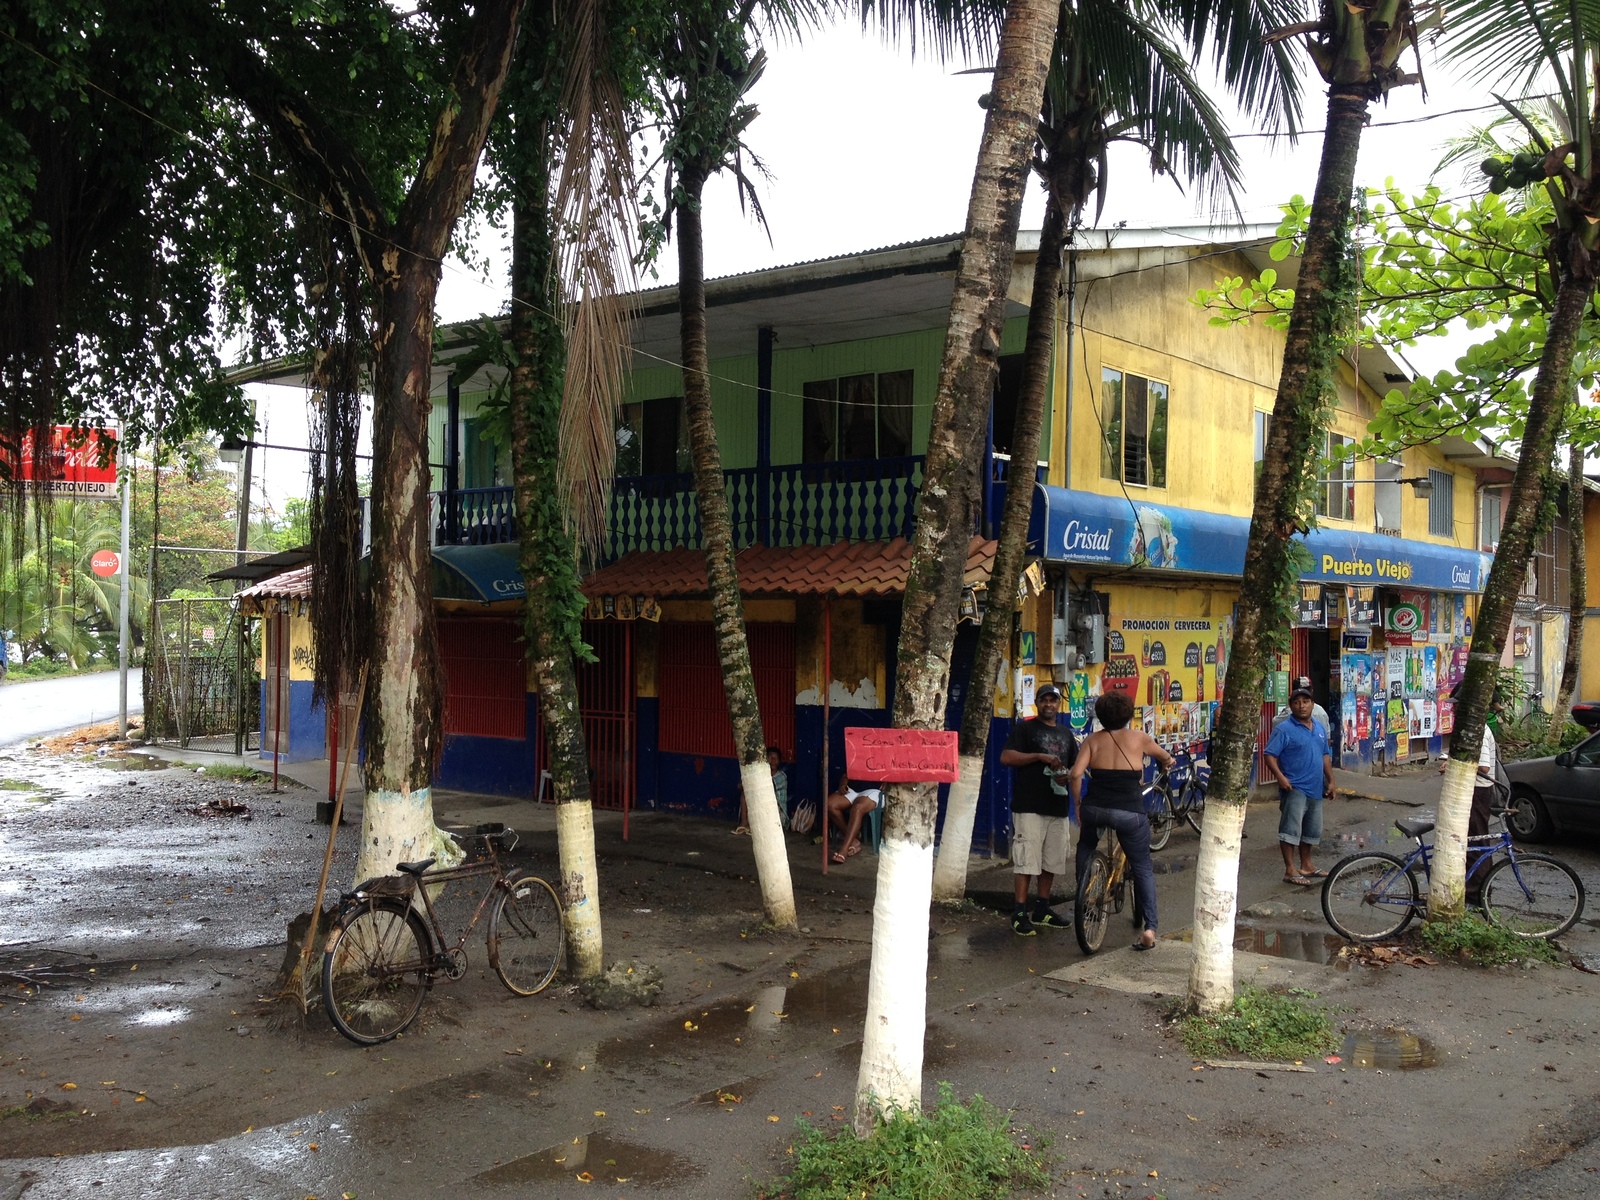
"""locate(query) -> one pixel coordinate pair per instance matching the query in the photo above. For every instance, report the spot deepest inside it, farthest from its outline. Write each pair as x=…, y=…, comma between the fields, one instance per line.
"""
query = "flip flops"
x=1141, y=946
x=1300, y=880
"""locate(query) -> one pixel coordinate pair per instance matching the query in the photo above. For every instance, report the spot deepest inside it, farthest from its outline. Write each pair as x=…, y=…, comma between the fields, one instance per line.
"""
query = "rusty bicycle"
x=386, y=946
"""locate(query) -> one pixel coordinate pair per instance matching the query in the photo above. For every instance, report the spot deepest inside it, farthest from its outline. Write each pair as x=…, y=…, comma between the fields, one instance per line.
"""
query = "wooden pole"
x=333, y=831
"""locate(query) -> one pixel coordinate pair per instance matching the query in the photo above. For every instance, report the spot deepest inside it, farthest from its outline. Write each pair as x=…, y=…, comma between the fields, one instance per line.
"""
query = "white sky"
x=868, y=147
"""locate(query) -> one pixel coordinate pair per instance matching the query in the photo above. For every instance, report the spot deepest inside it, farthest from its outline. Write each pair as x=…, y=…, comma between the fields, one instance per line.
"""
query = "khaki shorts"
x=1040, y=844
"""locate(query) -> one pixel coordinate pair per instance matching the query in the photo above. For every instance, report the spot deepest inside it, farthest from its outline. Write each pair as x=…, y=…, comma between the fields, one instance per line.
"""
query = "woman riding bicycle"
x=1114, y=758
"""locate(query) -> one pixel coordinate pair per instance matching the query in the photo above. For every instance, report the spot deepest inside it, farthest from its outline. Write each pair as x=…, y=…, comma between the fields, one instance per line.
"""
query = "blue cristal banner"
x=1084, y=527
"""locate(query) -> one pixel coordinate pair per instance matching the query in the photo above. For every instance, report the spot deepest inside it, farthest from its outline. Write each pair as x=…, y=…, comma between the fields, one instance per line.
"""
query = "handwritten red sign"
x=901, y=755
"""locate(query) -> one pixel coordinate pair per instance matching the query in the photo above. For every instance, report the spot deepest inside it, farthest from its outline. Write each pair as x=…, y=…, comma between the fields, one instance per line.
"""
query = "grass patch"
x=231, y=771
x=1260, y=1024
x=955, y=1152
x=19, y=785
x=1471, y=939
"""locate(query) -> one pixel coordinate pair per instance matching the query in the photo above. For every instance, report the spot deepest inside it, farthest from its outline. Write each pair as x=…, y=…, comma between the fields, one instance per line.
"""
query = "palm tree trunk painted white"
x=580, y=900
x=960, y=815
x=1216, y=905
x=897, y=987
x=766, y=839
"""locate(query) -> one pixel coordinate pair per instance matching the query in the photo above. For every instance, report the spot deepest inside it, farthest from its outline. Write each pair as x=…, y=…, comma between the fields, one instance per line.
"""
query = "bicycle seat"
x=417, y=868
x=1410, y=826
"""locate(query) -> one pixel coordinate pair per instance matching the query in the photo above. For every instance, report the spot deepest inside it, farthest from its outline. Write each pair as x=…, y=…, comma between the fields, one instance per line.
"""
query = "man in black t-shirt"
x=1041, y=833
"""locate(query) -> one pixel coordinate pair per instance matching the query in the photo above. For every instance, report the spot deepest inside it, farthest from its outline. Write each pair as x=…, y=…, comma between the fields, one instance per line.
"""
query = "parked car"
x=1587, y=714
x=1558, y=794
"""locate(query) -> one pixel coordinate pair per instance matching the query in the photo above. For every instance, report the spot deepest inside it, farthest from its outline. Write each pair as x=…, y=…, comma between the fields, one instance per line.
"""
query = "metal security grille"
x=694, y=706
x=1442, y=503
x=485, y=678
x=605, y=702
x=200, y=673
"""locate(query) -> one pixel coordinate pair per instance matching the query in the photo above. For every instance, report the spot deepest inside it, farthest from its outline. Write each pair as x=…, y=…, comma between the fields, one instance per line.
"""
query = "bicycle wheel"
x=1369, y=897
x=1159, y=810
x=1533, y=895
x=526, y=935
x=1194, y=809
x=1090, y=913
x=375, y=972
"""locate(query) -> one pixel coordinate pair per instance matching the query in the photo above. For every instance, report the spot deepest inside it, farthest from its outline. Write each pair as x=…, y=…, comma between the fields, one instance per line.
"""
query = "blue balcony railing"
x=792, y=505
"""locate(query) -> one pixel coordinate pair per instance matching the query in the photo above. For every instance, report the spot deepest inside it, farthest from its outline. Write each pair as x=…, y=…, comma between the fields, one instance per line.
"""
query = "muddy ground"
x=156, y=1065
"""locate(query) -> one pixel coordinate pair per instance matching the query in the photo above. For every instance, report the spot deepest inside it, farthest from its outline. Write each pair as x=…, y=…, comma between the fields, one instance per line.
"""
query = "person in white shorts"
x=1041, y=833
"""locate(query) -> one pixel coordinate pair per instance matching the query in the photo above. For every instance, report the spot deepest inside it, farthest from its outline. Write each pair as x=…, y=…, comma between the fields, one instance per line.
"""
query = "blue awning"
x=1085, y=527
x=488, y=574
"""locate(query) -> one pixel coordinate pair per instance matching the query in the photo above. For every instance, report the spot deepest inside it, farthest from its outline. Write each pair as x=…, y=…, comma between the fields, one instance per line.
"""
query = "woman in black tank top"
x=1113, y=758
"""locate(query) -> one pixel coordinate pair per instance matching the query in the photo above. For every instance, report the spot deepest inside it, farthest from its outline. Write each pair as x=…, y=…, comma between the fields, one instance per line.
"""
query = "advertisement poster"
x=1406, y=618
x=1379, y=726
x=1363, y=718
x=1447, y=716
x=1397, y=716
x=1171, y=668
x=1413, y=682
x=1397, y=671
x=1347, y=741
x=1362, y=606
x=1457, y=668
x=1521, y=640
x=1078, y=702
x=1446, y=619
x=1430, y=717
x=1414, y=718
x=1463, y=630
x=1430, y=669
x=1402, y=745
x=1358, y=674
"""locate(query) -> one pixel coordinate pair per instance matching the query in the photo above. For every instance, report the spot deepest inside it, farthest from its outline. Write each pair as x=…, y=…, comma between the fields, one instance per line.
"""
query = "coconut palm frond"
x=596, y=199
x=951, y=29
x=1263, y=76
x=1505, y=135
x=1525, y=45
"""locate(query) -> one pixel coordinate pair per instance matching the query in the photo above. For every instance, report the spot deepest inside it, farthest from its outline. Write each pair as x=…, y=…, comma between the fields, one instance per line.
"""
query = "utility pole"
x=123, y=469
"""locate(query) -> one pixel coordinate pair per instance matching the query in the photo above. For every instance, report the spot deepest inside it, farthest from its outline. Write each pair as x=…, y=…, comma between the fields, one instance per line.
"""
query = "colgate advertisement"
x=71, y=467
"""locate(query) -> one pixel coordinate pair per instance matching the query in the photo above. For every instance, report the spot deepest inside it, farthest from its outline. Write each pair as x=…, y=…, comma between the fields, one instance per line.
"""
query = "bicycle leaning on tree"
x=382, y=956
x=1373, y=895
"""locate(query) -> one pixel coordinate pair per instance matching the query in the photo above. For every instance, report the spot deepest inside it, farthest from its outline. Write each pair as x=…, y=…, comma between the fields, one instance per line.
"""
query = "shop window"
x=1133, y=415
x=1386, y=496
x=1336, y=498
x=856, y=416
x=653, y=438
x=1442, y=503
x=1490, y=521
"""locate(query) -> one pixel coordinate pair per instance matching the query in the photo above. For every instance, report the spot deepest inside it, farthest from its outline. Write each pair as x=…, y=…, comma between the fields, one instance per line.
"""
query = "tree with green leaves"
x=1356, y=48
x=1118, y=74
x=708, y=59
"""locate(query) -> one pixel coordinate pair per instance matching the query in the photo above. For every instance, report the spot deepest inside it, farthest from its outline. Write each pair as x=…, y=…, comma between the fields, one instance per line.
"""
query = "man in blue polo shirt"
x=1297, y=757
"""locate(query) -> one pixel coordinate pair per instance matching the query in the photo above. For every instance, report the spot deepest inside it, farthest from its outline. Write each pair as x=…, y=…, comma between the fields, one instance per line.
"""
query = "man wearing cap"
x=1041, y=834
x=1318, y=713
x=1297, y=757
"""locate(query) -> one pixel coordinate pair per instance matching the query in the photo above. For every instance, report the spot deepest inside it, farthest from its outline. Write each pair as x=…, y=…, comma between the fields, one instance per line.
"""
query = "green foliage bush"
x=1265, y=1025
x=1472, y=939
x=955, y=1152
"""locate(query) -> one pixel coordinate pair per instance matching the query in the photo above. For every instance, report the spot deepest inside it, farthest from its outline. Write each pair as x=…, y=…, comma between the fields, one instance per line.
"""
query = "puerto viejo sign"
x=900, y=755
x=1378, y=570
x=77, y=462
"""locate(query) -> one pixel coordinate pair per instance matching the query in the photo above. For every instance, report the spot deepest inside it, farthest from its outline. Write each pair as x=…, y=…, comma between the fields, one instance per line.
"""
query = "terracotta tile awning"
x=842, y=569
x=290, y=585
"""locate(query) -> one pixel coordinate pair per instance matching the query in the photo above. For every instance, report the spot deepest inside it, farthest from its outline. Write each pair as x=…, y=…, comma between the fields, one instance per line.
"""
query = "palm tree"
x=1117, y=74
x=709, y=63
x=1522, y=42
x=891, y=1048
x=1356, y=49
x=1578, y=594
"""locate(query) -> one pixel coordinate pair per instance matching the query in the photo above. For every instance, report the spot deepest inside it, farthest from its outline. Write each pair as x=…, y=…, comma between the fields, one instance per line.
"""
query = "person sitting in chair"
x=847, y=808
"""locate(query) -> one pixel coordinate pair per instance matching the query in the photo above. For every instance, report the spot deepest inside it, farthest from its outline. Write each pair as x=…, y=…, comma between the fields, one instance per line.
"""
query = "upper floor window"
x=1386, y=496
x=1336, y=498
x=857, y=416
x=653, y=438
x=1442, y=503
x=1133, y=447
x=1263, y=432
x=1490, y=522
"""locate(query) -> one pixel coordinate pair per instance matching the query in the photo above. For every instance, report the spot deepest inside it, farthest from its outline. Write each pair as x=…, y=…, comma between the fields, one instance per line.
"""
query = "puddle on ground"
x=1171, y=866
x=132, y=761
x=1390, y=1050
x=1310, y=946
x=156, y=1017
x=596, y=1159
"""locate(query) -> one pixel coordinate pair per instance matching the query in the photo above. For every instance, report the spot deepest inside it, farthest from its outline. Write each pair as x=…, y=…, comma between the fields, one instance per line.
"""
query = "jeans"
x=1299, y=818
x=1133, y=831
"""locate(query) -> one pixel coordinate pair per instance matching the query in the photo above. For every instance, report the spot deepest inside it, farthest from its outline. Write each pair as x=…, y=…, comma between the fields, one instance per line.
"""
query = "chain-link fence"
x=201, y=678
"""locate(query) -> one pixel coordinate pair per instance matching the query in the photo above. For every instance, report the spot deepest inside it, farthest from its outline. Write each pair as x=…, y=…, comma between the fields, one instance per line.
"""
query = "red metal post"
x=629, y=768
x=279, y=624
x=333, y=750
x=827, y=686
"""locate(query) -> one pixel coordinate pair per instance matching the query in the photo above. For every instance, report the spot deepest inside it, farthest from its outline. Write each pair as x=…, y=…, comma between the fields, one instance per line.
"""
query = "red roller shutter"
x=485, y=679
x=694, y=706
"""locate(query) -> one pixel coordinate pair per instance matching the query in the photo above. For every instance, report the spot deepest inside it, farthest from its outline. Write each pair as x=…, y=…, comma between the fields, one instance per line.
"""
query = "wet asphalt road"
x=44, y=706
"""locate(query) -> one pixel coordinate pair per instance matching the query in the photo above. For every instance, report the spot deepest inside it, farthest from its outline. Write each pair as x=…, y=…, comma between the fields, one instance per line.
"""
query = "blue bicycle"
x=1373, y=895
